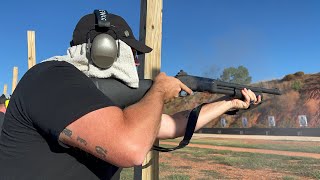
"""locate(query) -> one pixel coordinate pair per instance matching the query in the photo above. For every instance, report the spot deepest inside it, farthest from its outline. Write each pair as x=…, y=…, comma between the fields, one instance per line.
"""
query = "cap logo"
x=102, y=18
x=103, y=15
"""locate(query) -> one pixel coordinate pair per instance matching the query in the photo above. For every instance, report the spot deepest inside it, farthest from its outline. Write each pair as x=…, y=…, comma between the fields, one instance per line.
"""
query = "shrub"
x=289, y=77
x=296, y=85
x=299, y=74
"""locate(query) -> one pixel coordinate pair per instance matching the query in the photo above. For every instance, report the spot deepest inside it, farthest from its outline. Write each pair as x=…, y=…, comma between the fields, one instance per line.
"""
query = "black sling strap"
x=191, y=125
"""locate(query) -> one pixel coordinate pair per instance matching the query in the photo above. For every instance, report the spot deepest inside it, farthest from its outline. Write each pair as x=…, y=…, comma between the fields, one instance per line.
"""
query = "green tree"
x=238, y=75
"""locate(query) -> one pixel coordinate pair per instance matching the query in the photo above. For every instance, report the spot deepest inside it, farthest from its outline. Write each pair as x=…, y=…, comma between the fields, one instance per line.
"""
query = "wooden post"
x=14, y=78
x=31, y=49
x=5, y=89
x=151, y=34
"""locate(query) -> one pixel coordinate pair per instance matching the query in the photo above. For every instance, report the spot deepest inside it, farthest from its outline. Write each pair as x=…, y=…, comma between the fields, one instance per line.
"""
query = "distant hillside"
x=301, y=96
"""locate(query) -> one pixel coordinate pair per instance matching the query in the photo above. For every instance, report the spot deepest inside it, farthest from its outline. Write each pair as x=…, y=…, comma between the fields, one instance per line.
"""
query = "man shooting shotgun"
x=62, y=125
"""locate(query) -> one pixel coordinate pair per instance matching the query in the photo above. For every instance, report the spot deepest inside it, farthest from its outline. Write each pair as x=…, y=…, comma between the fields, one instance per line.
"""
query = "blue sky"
x=271, y=38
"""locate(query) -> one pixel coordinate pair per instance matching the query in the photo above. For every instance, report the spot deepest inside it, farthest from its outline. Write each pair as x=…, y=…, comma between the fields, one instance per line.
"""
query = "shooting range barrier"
x=315, y=132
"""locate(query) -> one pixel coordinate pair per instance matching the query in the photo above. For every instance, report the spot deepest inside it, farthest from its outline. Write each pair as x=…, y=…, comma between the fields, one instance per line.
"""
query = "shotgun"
x=124, y=96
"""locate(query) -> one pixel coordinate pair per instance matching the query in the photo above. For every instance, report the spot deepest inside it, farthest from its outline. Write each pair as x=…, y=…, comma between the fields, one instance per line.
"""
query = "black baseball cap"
x=87, y=26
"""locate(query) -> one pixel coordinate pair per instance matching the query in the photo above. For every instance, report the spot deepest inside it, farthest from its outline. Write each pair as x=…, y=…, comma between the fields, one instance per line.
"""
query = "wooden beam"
x=5, y=89
x=151, y=34
x=14, y=78
x=31, y=49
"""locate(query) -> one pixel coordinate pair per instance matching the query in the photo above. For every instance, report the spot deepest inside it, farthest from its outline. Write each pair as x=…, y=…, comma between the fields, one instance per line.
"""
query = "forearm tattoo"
x=102, y=152
x=81, y=141
x=67, y=132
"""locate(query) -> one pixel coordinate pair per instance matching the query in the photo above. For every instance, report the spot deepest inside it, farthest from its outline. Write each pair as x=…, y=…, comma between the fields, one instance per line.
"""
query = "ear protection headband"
x=103, y=50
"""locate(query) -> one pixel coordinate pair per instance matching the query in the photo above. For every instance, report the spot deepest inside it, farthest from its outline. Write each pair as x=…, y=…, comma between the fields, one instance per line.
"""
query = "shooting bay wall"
x=264, y=131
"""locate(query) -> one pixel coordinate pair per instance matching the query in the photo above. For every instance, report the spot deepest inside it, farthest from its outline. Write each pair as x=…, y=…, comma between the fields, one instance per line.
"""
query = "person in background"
x=3, y=109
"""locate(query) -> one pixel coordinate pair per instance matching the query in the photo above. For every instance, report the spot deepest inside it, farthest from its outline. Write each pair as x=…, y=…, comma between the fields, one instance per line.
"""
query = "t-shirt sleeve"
x=58, y=95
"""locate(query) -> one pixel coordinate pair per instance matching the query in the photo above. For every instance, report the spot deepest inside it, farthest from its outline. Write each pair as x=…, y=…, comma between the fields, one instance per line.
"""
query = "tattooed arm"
x=124, y=137
x=120, y=137
x=101, y=133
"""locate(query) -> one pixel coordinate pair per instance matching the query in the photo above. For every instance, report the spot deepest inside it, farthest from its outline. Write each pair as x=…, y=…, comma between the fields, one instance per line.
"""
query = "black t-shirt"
x=49, y=97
